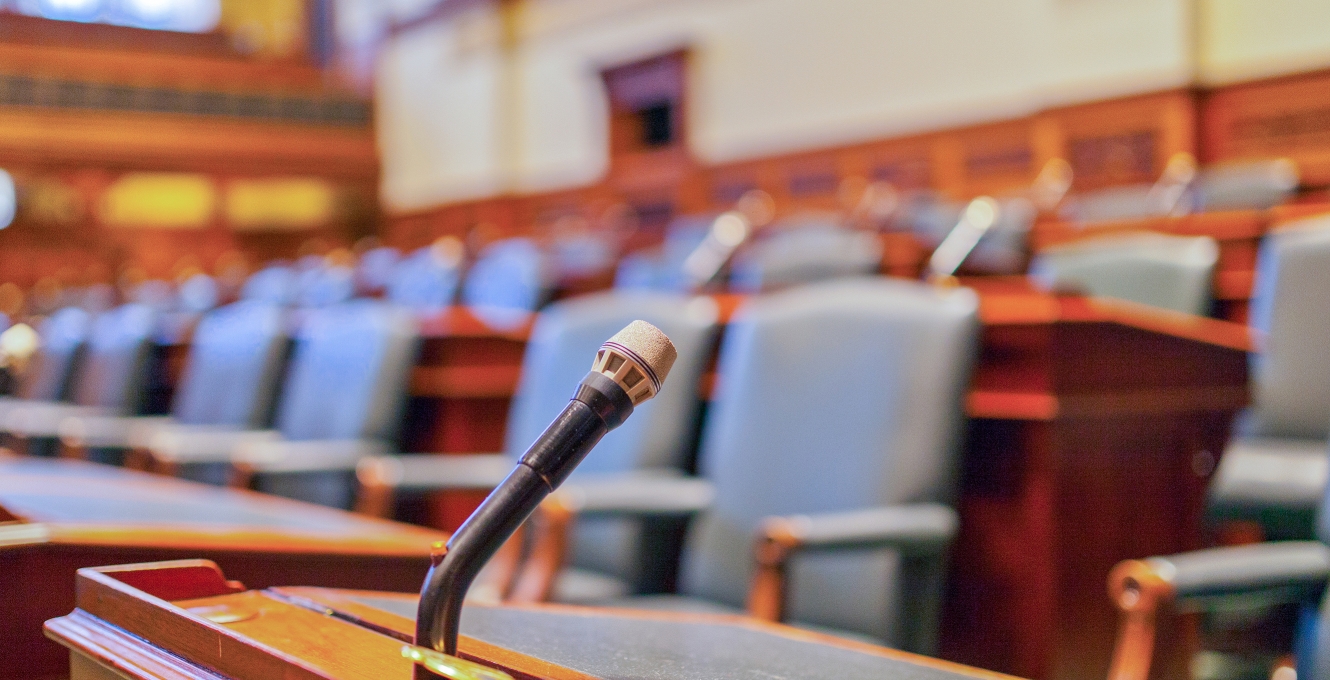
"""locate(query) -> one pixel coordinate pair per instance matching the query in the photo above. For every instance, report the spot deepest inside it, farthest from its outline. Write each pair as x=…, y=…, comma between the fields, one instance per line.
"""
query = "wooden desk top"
x=1014, y=300
x=185, y=610
x=64, y=502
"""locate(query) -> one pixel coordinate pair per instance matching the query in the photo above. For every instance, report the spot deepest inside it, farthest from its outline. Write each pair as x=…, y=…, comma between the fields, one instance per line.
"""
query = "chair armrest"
x=185, y=444
x=1269, y=573
x=109, y=431
x=920, y=530
x=645, y=494
x=648, y=493
x=321, y=455
x=435, y=472
x=43, y=418
x=917, y=528
x=1289, y=567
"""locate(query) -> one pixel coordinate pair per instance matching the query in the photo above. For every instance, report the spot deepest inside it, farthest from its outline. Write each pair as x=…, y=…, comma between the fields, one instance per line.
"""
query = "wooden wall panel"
x=1123, y=141
x=1281, y=117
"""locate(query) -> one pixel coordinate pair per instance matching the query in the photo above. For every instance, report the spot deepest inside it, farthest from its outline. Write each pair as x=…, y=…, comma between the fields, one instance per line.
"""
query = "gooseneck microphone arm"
x=619, y=380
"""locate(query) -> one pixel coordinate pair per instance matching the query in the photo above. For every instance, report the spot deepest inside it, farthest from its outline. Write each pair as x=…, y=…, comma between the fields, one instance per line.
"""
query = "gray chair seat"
x=583, y=586
x=1289, y=473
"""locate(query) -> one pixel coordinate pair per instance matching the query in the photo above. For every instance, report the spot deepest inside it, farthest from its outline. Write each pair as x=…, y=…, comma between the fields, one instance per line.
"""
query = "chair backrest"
x=662, y=268
x=1172, y=272
x=804, y=253
x=274, y=283
x=348, y=372
x=234, y=363
x=581, y=255
x=325, y=285
x=508, y=274
x=62, y=336
x=423, y=282
x=198, y=293
x=375, y=269
x=838, y=396
x=1129, y=202
x=563, y=343
x=1249, y=185
x=1290, y=373
x=114, y=365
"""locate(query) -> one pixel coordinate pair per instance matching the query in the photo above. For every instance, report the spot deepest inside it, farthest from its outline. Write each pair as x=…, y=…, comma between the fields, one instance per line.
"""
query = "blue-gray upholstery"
x=1250, y=185
x=662, y=268
x=375, y=269
x=838, y=397
x=346, y=381
x=275, y=283
x=581, y=255
x=325, y=285
x=109, y=378
x=508, y=276
x=1171, y=272
x=230, y=380
x=423, y=282
x=1290, y=416
x=112, y=371
x=62, y=336
x=1130, y=202
x=562, y=344
x=803, y=253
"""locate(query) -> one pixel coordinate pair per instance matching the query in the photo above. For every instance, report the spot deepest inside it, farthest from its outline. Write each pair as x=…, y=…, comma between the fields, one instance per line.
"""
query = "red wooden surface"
x=1094, y=428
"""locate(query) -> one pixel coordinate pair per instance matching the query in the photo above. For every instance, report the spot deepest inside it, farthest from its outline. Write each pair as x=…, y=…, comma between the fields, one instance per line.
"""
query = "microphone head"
x=638, y=358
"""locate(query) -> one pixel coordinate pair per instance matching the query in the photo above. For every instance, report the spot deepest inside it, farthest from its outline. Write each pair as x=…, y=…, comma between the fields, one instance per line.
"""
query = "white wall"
x=772, y=76
x=1245, y=39
x=436, y=114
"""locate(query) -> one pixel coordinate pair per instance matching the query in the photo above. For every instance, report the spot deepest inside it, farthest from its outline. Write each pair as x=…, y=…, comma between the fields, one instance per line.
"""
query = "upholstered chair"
x=108, y=378
x=341, y=400
x=1160, y=270
x=229, y=382
x=657, y=440
x=828, y=461
x=1275, y=469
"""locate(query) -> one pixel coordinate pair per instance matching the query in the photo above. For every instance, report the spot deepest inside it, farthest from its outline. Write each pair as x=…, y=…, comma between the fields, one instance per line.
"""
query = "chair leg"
x=553, y=525
x=373, y=497
x=775, y=543
x=922, y=578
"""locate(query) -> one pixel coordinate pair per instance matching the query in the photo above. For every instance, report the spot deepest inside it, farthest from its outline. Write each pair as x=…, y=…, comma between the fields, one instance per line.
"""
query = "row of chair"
x=809, y=418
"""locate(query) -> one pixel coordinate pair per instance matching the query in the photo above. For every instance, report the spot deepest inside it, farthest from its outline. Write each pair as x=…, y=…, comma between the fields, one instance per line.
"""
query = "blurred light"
x=70, y=10
x=159, y=199
x=730, y=229
x=8, y=199
x=18, y=343
x=287, y=204
x=981, y=212
x=192, y=16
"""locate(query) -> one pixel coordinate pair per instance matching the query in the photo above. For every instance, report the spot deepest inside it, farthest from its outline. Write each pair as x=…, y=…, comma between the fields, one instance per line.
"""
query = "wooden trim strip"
x=110, y=646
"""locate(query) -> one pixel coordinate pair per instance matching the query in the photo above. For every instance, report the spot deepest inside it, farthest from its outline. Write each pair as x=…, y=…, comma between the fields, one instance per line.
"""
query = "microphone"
x=628, y=370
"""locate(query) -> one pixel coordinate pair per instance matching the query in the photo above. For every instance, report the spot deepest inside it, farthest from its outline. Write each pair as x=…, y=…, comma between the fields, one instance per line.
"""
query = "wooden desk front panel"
x=1094, y=445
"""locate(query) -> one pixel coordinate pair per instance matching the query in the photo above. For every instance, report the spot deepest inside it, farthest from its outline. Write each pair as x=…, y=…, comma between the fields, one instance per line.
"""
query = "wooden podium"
x=58, y=516
x=183, y=619
x=1094, y=428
